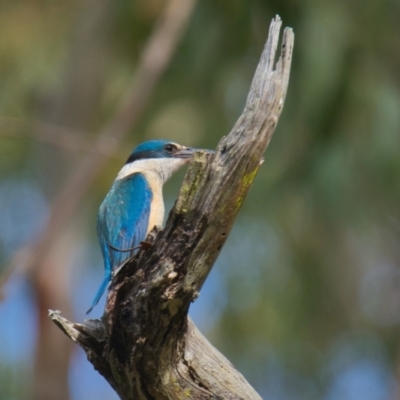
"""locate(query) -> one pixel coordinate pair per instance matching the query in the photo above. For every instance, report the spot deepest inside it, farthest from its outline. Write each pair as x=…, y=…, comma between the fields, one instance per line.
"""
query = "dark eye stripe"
x=133, y=157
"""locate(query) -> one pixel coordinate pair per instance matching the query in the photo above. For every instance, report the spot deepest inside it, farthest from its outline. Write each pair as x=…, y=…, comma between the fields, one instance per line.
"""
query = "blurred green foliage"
x=308, y=285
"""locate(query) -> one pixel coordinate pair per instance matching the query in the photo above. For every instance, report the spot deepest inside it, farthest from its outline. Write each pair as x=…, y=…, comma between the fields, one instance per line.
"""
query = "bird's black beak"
x=185, y=152
x=188, y=152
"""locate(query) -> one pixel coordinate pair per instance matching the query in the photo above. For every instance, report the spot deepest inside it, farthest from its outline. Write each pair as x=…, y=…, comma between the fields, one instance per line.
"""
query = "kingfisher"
x=134, y=204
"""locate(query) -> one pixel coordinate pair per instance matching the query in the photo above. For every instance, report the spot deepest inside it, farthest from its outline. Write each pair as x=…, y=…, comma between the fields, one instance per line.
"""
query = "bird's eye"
x=170, y=148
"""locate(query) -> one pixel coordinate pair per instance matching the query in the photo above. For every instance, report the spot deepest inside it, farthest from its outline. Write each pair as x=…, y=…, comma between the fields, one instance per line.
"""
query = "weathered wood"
x=145, y=345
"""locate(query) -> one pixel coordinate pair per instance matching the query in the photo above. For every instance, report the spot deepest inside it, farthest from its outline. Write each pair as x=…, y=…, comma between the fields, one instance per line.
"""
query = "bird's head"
x=164, y=149
x=159, y=157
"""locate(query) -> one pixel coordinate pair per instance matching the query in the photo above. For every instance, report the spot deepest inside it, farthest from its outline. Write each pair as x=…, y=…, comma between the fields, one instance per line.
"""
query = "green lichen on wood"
x=238, y=195
x=248, y=178
x=247, y=181
x=192, y=182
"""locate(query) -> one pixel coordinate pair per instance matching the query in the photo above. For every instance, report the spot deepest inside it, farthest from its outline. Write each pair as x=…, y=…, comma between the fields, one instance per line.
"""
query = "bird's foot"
x=150, y=238
x=145, y=245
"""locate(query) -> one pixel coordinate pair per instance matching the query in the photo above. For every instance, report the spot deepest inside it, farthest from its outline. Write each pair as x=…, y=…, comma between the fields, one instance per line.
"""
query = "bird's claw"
x=145, y=245
x=150, y=238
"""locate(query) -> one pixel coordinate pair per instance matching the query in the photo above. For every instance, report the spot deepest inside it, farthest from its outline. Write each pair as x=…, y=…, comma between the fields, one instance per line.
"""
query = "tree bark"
x=145, y=345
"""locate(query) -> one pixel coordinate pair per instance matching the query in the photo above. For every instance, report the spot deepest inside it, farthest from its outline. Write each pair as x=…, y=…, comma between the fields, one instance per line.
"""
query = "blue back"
x=122, y=223
x=123, y=218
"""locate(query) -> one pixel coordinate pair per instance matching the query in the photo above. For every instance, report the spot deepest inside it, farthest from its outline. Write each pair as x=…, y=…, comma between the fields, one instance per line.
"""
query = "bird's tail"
x=102, y=288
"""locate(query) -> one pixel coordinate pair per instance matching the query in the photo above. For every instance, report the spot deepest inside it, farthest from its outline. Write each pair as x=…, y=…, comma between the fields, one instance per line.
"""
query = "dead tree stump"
x=145, y=345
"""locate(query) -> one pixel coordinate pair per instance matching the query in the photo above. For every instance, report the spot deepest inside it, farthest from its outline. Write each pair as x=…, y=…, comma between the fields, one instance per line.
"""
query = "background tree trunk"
x=145, y=345
x=74, y=107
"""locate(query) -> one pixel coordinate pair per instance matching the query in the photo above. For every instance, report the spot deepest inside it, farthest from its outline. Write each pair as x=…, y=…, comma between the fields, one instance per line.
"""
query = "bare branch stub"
x=151, y=347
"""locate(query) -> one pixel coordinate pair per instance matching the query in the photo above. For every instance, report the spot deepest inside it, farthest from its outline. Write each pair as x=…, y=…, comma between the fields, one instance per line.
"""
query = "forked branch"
x=145, y=345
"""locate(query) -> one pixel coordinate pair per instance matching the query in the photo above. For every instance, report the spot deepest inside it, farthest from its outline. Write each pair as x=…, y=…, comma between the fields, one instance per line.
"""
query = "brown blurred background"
x=305, y=297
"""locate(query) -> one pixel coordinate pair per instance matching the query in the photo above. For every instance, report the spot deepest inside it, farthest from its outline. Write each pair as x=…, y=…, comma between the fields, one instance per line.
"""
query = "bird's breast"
x=156, y=216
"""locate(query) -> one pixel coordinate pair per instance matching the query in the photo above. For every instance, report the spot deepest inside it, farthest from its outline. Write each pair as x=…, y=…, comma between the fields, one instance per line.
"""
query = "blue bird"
x=134, y=204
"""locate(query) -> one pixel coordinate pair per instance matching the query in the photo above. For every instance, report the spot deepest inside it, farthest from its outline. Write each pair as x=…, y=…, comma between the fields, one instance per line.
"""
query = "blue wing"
x=123, y=218
x=122, y=223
